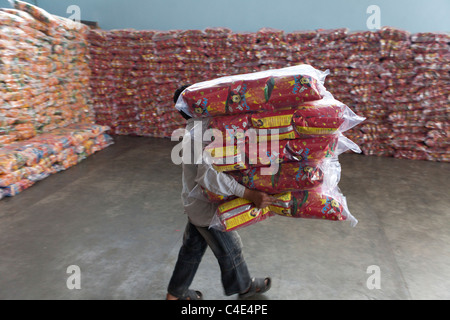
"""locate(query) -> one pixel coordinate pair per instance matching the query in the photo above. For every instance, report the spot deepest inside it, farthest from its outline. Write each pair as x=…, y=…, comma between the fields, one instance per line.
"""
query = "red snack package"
x=325, y=116
x=249, y=95
x=267, y=152
x=262, y=90
x=290, y=91
x=204, y=102
x=314, y=204
x=279, y=120
x=288, y=176
x=231, y=126
x=317, y=125
x=226, y=158
x=312, y=149
x=239, y=213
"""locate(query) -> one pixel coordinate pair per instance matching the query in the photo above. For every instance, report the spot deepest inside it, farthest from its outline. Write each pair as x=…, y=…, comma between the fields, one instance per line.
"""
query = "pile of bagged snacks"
x=23, y=163
x=133, y=74
x=44, y=78
x=294, y=128
x=398, y=81
x=46, y=116
x=420, y=122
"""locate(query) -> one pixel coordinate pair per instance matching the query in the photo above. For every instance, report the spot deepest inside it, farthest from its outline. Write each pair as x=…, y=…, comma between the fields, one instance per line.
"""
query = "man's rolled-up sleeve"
x=218, y=182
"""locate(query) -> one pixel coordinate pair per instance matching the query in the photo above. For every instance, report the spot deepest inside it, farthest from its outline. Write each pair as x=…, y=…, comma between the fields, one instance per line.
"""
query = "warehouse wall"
x=251, y=15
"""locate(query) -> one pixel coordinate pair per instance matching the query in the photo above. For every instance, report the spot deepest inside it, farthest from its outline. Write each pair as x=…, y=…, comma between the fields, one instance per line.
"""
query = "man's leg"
x=227, y=248
x=189, y=258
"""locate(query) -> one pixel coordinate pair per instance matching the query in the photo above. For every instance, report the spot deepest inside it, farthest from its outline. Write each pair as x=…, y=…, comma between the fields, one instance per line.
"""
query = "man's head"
x=177, y=95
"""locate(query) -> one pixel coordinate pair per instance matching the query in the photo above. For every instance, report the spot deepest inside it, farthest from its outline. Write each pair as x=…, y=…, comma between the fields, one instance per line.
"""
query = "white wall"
x=250, y=15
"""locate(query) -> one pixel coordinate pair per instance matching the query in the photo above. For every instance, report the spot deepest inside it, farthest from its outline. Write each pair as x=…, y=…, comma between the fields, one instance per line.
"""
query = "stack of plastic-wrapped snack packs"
x=46, y=118
x=419, y=115
x=278, y=131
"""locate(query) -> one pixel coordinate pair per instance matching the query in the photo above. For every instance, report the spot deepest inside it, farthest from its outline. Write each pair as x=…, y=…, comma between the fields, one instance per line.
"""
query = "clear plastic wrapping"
x=312, y=148
x=286, y=149
x=253, y=92
x=321, y=204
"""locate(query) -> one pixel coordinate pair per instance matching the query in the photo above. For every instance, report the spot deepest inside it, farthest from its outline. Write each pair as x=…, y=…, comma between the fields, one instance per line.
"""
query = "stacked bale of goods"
x=365, y=92
x=142, y=74
x=271, y=49
x=430, y=86
x=169, y=55
x=189, y=59
x=418, y=92
x=301, y=45
x=397, y=85
x=102, y=86
x=332, y=50
x=397, y=61
x=23, y=163
x=44, y=74
x=291, y=110
x=328, y=52
x=46, y=118
x=218, y=51
x=244, y=55
x=124, y=52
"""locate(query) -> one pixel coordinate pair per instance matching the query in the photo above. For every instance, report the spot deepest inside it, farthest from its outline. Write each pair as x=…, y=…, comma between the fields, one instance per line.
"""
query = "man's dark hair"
x=177, y=95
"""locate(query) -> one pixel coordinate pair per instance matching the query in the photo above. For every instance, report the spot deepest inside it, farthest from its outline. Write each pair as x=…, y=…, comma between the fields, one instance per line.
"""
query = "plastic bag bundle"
x=312, y=204
x=280, y=146
x=46, y=117
x=322, y=117
x=328, y=52
x=253, y=92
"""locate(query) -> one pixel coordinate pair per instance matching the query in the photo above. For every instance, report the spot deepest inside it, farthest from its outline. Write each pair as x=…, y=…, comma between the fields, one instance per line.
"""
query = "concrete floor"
x=117, y=216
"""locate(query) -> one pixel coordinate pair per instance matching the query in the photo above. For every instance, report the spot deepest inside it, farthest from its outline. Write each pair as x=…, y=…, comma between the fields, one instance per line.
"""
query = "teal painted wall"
x=251, y=15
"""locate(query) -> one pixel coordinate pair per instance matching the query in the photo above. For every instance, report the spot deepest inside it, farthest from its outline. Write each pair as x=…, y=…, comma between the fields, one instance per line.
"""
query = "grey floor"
x=117, y=216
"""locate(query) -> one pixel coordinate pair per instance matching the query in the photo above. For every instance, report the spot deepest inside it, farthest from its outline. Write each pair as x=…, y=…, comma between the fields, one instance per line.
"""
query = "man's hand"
x=260, y=199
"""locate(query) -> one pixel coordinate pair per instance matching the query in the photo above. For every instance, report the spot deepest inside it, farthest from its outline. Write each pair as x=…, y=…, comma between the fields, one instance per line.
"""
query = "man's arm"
x=260, y=199
x=222, y=184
